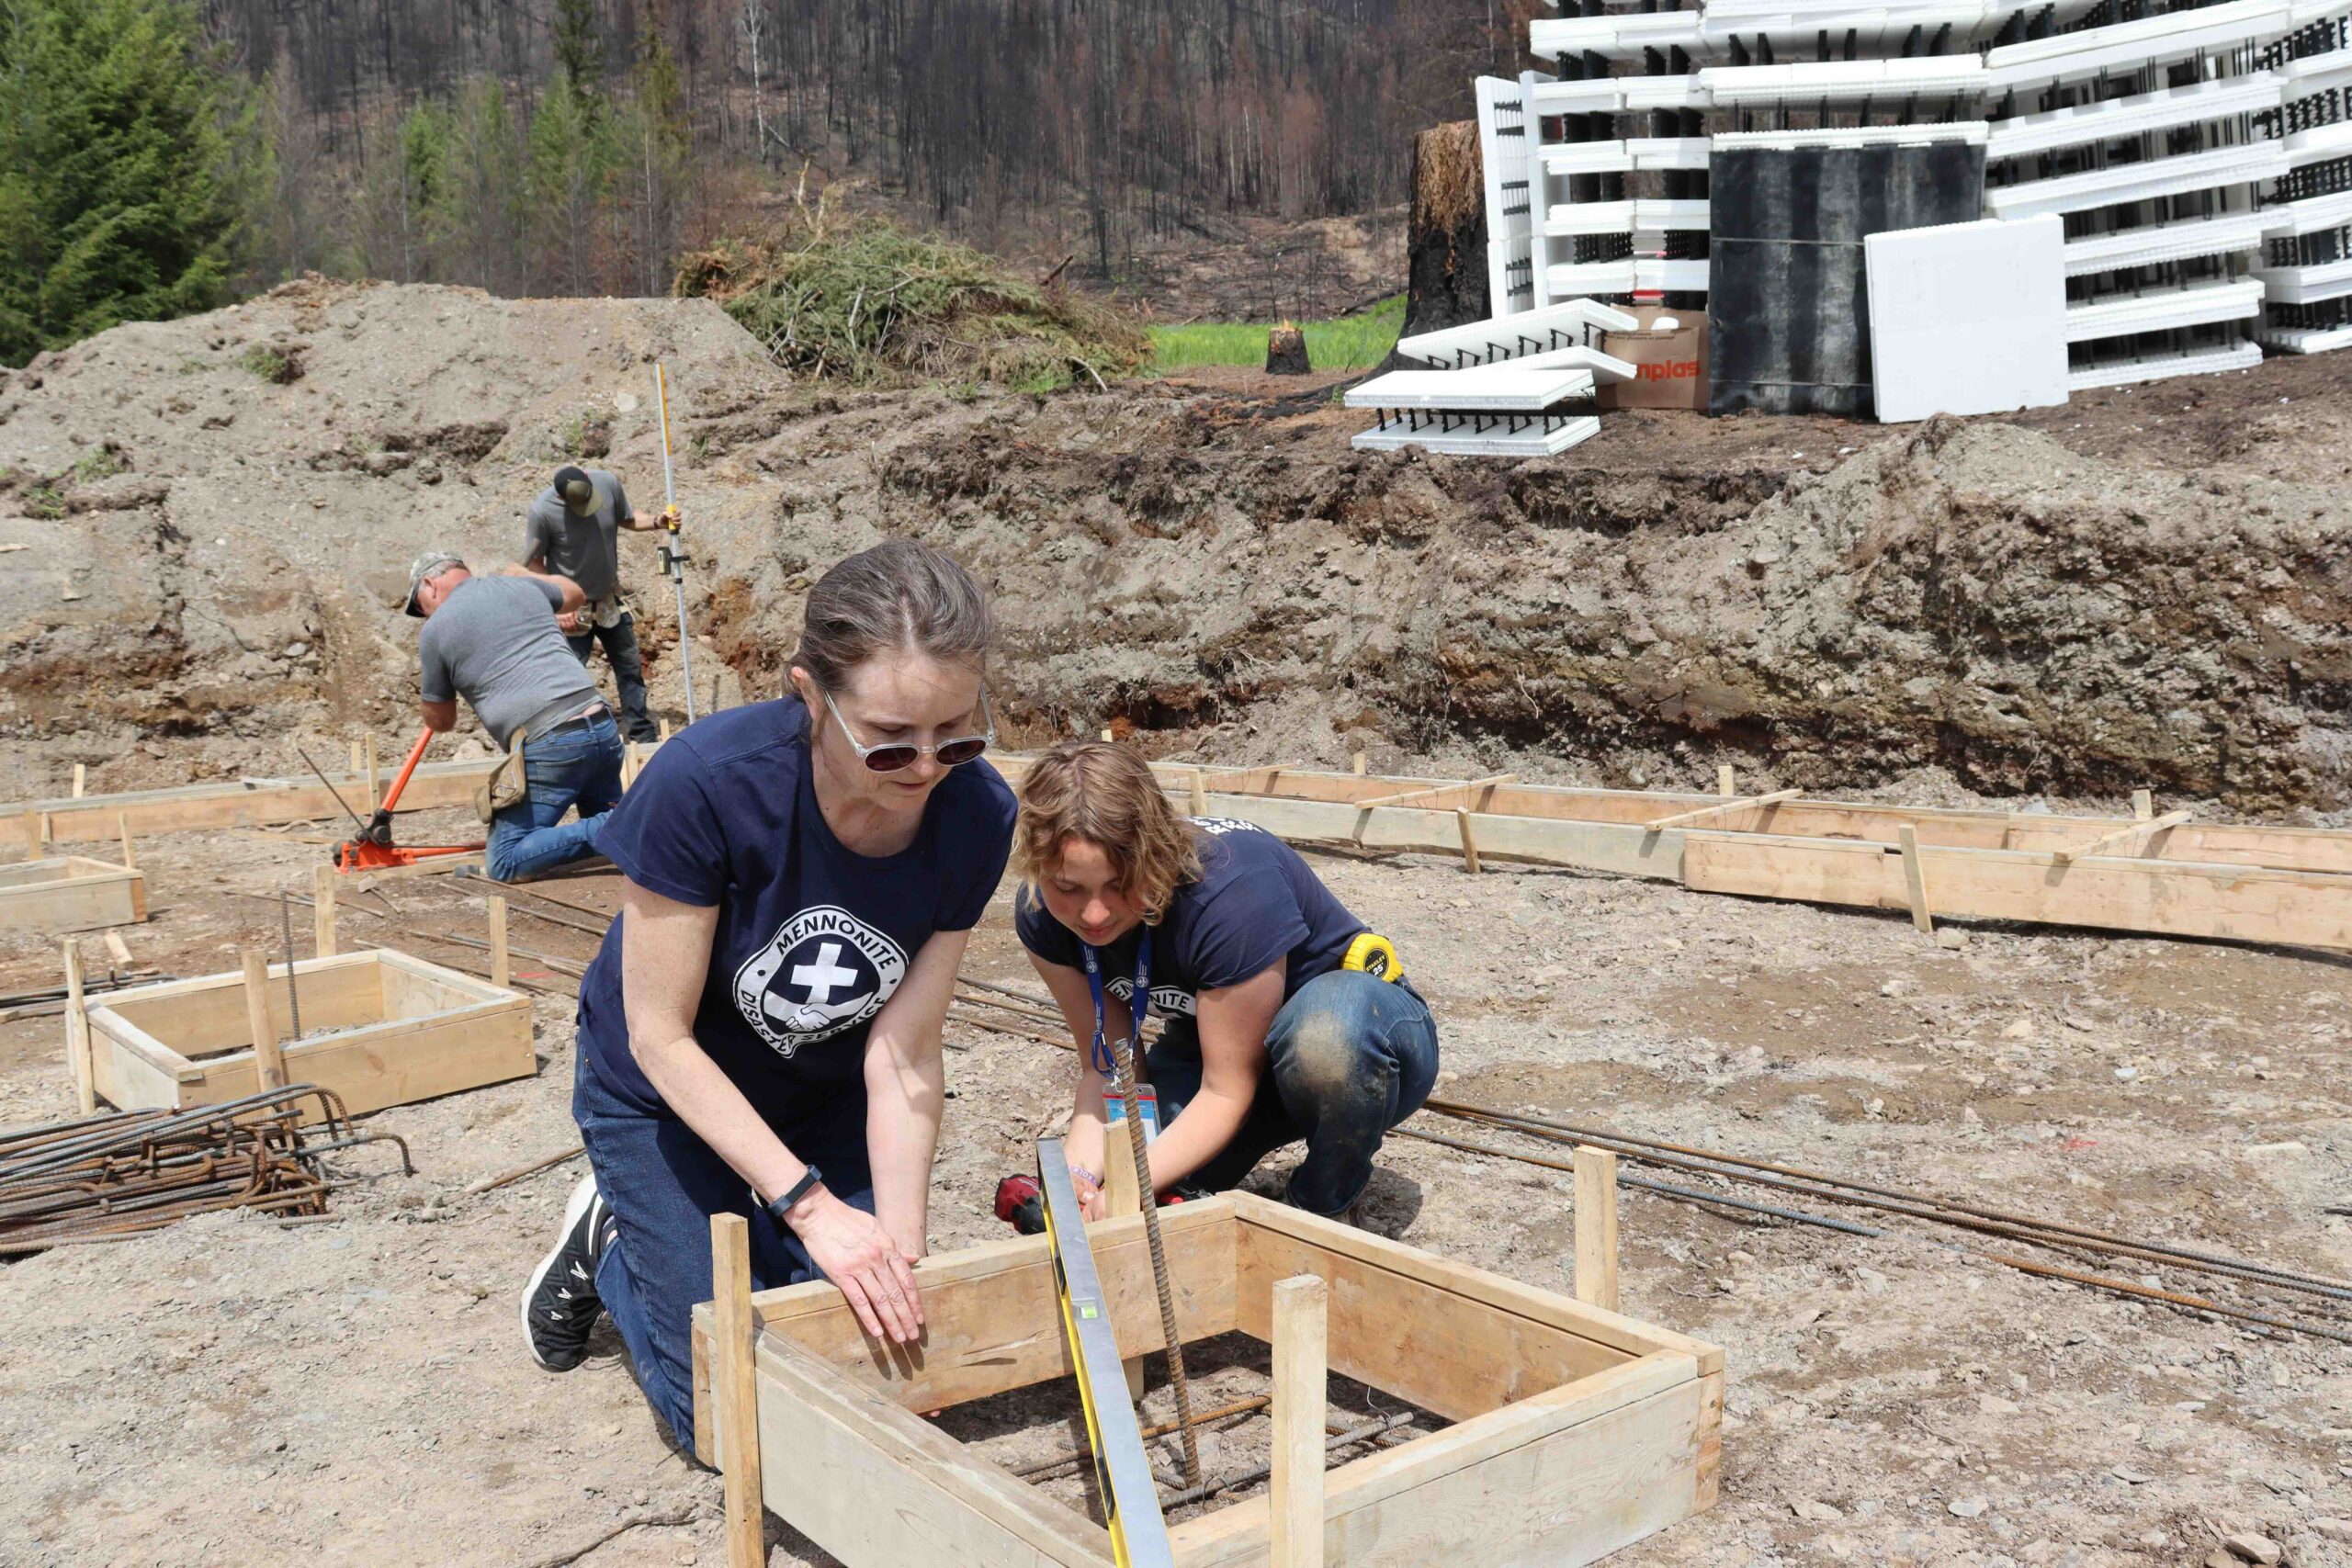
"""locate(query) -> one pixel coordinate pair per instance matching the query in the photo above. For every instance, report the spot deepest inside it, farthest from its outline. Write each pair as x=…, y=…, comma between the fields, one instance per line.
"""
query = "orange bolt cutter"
x=372, y=849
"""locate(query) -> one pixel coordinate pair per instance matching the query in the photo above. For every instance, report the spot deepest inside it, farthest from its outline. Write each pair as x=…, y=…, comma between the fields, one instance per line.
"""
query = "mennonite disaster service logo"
x=824, y=972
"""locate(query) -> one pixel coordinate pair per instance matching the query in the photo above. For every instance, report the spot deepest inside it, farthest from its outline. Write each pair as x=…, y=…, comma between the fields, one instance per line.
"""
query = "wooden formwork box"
x=1576, y=1430
x=380, y=1028
x=70, y=892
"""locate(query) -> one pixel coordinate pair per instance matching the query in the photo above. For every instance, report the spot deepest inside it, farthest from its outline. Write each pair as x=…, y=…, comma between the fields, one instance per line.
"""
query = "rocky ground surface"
x=203, y=528
x=2145, y=588
x=358, y=1391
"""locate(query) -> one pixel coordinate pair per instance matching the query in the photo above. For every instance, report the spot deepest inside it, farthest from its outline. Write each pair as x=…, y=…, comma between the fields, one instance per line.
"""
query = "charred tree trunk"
x=1446, y=235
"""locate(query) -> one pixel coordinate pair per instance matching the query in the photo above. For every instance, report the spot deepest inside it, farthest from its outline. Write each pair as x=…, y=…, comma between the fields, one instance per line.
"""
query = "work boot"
x=559, y=1304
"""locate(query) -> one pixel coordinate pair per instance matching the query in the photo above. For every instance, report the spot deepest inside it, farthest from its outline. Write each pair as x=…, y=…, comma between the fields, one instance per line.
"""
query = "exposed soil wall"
x=2052, y=609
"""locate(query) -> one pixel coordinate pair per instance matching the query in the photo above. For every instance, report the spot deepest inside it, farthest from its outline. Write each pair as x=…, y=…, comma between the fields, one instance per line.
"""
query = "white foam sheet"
x=1968, y=317
x=1492, y=444
x=1480, y=389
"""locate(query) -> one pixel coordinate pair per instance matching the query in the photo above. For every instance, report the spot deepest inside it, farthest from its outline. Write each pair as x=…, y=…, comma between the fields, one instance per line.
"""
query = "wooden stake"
x=1469, y=841
x=662, y=733
x=1914, y=878
x=1200, y=795
x=1726, y=781
x=267, y=1059
x=130, y=855
x=1596, y=1227
x=36, y=830
x=1357, y=763
x=500, y=975
x=77, y=1033
x=735, y=1341
x=81, y=777
x=118, y=949
x=1122, y=1194
x=2144, y=804
x=323, y=941
x=1302, y=1350
x=369, y=744
x=1106, y=737
x=358, y=758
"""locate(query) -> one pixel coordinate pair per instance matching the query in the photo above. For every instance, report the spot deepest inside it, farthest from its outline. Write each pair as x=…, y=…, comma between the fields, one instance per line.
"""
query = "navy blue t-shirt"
x=813, y=937
x=1256, y=901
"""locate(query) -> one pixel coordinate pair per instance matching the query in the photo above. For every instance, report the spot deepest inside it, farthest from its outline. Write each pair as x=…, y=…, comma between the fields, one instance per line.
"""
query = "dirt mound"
x=215, y=553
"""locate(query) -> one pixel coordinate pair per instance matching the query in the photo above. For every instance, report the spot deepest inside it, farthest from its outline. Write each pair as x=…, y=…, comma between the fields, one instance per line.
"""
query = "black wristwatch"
x=810, y=1178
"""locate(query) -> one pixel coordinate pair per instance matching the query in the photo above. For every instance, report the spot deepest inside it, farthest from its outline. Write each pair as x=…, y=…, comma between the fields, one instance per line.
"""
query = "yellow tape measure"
x=1375, y=955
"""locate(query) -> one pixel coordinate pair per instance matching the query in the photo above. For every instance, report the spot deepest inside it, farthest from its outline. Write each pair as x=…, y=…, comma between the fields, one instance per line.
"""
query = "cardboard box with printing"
x=1668, y=352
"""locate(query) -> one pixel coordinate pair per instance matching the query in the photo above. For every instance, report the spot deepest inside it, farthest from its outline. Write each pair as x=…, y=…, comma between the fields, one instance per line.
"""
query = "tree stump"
x=1446, y=234
x=1286, y=352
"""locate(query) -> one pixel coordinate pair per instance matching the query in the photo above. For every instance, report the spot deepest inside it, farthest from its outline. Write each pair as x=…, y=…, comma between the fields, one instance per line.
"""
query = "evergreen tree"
x=657, y=143
x=571, y=166
x=127, y=168
x=479, y=204
x=578, y=50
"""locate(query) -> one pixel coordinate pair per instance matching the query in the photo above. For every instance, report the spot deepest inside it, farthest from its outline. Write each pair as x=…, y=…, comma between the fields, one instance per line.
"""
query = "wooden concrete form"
x=70, y=892
x=1576, y=1430
x=383, y=1029
x=2165, y=876
x=254, y=803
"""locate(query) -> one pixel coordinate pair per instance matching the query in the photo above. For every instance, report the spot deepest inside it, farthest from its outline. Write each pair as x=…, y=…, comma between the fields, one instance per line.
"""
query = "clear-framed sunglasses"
x=893, y=756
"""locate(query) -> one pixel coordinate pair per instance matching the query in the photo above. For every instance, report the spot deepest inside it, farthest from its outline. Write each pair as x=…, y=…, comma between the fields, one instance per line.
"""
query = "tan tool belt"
x=504, y=785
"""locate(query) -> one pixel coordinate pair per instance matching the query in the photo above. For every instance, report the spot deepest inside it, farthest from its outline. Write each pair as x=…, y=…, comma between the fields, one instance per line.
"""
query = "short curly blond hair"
x=1107, y=796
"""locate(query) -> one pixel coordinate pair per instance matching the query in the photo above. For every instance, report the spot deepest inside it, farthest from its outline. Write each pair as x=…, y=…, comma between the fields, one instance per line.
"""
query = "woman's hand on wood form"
x=865, y=1265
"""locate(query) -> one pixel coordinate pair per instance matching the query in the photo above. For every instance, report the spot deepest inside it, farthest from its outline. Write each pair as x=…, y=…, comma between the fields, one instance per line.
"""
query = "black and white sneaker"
x=559, y=1304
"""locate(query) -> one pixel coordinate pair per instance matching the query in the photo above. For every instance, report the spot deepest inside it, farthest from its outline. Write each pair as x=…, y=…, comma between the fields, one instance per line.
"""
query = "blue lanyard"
x=1105, y=1063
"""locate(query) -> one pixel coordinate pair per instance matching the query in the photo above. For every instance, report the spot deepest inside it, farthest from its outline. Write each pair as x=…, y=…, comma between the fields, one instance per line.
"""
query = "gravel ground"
x=358, y=1391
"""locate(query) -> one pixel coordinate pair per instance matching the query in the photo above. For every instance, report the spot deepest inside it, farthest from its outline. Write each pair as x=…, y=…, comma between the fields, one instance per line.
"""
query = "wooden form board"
x=259, y=804
x=70, y=892
x=2289, y=886
x=380, y=1028
x=1576, y=1430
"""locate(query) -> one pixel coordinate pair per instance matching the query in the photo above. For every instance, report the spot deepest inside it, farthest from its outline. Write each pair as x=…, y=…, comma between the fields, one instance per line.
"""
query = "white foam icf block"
x=1968, y=317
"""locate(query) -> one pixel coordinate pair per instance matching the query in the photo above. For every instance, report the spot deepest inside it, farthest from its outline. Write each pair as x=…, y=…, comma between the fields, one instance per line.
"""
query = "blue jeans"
x=628, y=669
x=663, y=1183
x=580, y=766
x=1347, y=1059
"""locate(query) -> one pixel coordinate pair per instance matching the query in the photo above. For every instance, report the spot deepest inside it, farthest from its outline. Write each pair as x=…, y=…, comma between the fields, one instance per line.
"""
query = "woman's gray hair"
x=897, y=596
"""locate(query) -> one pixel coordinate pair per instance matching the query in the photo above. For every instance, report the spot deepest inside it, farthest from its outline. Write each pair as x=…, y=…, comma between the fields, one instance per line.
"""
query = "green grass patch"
x=1350, y=342
x=272, y=365
x=861, y=300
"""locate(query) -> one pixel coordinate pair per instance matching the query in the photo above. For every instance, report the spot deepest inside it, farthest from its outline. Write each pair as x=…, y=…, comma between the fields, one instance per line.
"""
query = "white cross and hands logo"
x=823, y=972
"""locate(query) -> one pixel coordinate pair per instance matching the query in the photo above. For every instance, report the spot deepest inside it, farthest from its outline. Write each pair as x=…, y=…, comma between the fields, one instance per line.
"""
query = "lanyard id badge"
x=1105, y=1061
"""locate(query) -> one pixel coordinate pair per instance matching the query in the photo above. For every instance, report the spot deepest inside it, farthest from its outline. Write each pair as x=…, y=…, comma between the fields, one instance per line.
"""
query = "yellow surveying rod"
x=1122, y=1470
x=673, y=559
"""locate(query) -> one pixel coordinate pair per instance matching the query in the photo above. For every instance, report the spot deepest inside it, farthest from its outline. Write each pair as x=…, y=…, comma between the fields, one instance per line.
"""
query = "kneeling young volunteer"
x=1278, y=1025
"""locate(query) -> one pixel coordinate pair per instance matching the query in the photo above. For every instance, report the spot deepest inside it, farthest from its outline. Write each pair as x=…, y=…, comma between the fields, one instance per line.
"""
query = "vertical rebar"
x=1126, y=1057
x=286, y=930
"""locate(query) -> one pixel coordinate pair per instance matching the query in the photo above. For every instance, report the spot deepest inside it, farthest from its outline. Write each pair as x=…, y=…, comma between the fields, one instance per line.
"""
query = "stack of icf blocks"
x=2198, y=155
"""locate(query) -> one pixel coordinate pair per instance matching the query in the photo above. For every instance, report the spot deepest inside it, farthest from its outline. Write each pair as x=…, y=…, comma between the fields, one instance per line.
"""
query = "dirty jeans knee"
x=1350, y=1057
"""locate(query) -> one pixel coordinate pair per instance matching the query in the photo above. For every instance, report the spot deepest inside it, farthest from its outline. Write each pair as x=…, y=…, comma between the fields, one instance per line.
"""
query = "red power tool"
x=372, y=849
x=1022, y=1205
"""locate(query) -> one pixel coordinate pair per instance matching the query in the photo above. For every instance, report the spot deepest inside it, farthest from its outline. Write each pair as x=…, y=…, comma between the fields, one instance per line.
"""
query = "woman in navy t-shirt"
x=761, y=1032
x=1269, y=1036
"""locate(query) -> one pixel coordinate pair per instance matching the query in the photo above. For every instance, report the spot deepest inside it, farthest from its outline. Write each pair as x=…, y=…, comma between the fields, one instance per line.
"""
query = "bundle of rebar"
x=125, y=1173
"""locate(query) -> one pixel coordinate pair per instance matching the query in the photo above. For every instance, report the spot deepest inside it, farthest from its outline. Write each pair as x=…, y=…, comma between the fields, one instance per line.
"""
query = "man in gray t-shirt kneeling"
x=495, y=641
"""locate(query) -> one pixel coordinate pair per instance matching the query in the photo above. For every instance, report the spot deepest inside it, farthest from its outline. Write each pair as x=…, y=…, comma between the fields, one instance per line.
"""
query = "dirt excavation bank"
x=211, y=547
x=2141, y=589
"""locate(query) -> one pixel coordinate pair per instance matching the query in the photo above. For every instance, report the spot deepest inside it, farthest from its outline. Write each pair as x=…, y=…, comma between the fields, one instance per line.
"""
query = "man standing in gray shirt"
x=495, y=641
x=573, y=530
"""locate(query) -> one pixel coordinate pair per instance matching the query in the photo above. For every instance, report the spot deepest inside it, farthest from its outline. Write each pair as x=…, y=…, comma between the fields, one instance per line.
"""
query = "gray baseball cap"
x=432, y=563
